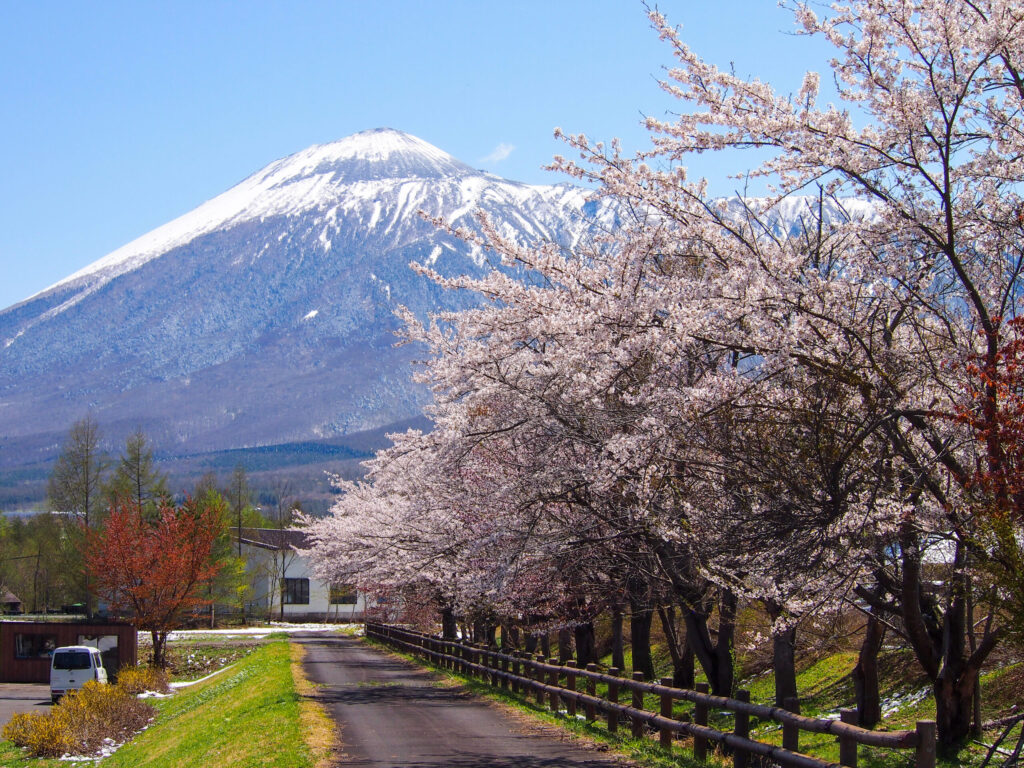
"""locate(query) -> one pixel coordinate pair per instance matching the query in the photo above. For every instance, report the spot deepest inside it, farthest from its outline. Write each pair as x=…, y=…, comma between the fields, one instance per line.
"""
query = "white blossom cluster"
x=698, y=404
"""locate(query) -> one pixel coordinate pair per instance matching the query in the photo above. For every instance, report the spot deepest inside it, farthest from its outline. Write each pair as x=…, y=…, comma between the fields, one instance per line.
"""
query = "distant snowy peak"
x=366, y=164
x=381, y=153
x=792, y=214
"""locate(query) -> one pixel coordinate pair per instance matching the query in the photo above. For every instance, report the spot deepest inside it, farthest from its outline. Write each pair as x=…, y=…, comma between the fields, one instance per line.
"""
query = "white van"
x=72, y=666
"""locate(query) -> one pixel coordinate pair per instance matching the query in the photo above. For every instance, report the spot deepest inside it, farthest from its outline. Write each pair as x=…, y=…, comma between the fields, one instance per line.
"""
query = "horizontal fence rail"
x=525, y=675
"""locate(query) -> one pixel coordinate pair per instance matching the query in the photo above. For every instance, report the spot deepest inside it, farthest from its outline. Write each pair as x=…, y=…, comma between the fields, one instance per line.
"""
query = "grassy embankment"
x=259, y=712
x=825, y=687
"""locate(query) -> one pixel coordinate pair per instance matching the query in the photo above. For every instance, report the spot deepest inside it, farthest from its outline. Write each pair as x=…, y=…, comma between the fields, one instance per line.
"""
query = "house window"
x=295, y=592
x=34, y=646
x=343, y=594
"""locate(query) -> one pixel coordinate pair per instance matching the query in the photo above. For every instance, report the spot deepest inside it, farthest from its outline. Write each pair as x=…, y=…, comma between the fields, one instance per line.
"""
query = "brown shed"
x=9, y=602
x=26, y=646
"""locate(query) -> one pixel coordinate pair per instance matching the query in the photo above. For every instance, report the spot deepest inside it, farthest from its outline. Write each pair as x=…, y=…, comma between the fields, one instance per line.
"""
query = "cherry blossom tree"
x=695, y=378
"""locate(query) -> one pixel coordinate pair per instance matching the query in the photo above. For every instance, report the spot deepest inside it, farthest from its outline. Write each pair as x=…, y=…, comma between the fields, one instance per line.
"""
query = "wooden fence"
x=520, y=673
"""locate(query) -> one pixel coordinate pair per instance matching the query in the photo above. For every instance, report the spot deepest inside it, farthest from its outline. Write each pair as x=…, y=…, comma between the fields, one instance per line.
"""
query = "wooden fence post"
x=570, y=683
x=664, y=734
x=638, y=703
x=700, y=717
x=847, y=745
x=740, y=757
x=516, y=670
x=925, y=750
x=540, y=681
x=791, y=732
x=591, y=712
x=613, y=697
x=553, y=680
x=504, y=669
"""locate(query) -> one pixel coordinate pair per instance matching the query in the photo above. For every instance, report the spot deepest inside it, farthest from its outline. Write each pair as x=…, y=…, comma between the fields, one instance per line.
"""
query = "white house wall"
x=265, y=589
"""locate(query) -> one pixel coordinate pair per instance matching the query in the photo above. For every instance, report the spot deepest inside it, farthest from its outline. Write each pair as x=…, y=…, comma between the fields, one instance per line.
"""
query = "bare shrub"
x=136, y=680
x=81, y=723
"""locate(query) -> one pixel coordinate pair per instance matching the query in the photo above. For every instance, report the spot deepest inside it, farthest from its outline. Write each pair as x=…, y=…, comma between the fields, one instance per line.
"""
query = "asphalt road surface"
x=23, y=697
x=392, y=714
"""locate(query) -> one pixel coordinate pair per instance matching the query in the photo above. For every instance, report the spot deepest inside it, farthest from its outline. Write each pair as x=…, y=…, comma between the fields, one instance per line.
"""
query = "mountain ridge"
x=264, y=315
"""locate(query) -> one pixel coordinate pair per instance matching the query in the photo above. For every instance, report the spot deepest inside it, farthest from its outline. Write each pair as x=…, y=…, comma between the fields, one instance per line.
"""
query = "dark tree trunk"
x=618, y=647
x=678, y=649
x=509, y=637
x=683, y=672
x=159, y=648
x=954, y=710
x=545, y=645
x=783, y=657
x=784, y=663
x=640, y=638
x=564, y=645
x=531, y=643
x=715, y=656
x=693, y=595
x=585, y=644
x=449, y=627
x=938, y=635
x=865, y=675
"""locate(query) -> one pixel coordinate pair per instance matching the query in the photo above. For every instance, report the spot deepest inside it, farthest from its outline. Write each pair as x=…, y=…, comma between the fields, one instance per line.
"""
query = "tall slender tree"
x=135, y=476
x=75, y=488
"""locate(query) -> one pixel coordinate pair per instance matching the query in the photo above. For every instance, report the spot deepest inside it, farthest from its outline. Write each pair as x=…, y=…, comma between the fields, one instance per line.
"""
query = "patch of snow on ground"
x=286, y=627
x=894, y=704
x=187, y=683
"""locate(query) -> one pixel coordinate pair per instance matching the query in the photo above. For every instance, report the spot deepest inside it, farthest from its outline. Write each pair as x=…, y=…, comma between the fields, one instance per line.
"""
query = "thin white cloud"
x=499, y=153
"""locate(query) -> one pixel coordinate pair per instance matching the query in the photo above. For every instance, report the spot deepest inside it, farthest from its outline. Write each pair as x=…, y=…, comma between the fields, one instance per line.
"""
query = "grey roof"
x=273, y=538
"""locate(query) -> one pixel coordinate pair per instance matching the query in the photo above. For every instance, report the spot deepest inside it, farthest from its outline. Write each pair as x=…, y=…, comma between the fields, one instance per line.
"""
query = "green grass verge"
x=249, y=715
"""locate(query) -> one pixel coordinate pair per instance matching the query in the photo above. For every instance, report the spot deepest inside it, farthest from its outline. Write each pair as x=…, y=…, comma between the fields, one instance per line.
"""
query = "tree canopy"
x=700, y=406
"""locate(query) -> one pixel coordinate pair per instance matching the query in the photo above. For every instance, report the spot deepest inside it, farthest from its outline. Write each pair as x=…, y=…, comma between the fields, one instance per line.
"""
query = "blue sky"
x=116, y=117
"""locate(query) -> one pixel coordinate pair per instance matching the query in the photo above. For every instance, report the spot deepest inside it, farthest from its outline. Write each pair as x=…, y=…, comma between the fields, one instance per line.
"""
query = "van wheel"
x=54, y=698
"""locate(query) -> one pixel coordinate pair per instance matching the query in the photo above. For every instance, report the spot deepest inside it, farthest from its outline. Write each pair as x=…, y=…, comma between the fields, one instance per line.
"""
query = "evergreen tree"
x=135, y=478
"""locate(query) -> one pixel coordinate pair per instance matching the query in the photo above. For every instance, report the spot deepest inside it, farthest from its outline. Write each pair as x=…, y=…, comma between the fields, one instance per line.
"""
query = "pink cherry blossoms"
x=695, y=410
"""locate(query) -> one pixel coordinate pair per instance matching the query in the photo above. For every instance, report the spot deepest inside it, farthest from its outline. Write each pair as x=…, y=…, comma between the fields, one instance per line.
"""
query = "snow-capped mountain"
x=266, y=314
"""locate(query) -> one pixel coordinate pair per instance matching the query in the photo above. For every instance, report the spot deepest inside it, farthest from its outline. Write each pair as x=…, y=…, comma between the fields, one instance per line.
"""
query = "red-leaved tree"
x=994, y=410
x=152, y=570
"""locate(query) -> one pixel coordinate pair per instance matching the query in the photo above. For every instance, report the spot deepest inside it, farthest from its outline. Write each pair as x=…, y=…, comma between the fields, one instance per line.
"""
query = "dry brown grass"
x=318, y=729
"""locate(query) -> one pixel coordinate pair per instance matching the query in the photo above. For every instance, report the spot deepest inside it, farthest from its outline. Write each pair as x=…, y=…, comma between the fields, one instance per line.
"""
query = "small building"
x=26, y=646
x=282, y=584
x=9, y=602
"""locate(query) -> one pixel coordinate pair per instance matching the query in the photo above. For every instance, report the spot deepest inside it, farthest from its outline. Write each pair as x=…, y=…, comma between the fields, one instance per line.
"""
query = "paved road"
x=392, y=714
x=23, y=697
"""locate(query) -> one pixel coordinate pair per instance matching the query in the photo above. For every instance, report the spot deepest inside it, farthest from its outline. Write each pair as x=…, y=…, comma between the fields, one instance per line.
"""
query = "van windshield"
x=71, y=660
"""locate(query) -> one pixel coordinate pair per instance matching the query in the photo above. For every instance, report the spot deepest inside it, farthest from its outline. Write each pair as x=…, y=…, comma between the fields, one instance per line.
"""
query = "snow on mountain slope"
x=265, y=314
x=346, y=173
